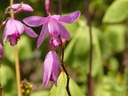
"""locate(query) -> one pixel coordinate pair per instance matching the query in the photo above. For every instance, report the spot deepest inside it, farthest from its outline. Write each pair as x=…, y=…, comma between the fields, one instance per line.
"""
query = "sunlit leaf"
x=60, y=89
x=117, y=12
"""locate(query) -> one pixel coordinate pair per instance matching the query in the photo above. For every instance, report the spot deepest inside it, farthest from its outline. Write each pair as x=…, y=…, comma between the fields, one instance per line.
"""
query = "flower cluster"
x=15, y=28
x=52, y=25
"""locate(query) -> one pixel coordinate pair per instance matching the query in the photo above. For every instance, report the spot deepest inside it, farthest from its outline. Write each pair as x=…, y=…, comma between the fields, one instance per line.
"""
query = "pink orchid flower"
x=1, y=51
x=21, y=7
x=14, y=29
x=53, y=25
x=51, y=68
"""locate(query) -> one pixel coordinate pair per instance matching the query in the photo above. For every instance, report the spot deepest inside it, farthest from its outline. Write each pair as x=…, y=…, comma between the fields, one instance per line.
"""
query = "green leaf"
x=117, y=12
x=8, y=81
x=77, y=51
x=116, y=37
x=60, y=89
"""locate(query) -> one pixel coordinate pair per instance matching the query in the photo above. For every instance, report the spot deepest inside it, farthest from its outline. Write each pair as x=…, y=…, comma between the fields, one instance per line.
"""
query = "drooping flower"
x=51, y=68
x=1, y=51
x=53, y=25
x=21, y=7
x=14, y=29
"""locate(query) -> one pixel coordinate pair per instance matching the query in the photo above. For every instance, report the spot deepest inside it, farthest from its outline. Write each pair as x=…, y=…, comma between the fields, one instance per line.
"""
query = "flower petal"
x=10, y=27
x=70, y=18
x=19, y=26
x=53, y=27
x=35, y=21
x=63, y=32
x=21, y=7
x=4, y=35
x=51, y=68
x=48, y=66
x=30, y=32
x=42, y=35
x=56, y=68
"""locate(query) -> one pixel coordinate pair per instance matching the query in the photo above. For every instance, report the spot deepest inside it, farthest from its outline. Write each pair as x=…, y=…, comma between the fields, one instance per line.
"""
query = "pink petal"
x=42, y=35
x=56, y=68
x=63, y=32
x=48, y=65
x=51, y=68
x=19, y=26
x=35, y=21
x=5, y=35
x=21, y=7
x=53, y=27
x=30, y=32
x=70, y=18
x=10, y=27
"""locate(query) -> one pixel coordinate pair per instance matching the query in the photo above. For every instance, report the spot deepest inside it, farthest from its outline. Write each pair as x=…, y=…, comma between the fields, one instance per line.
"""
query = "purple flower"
x=51, y=68
x=14, y=29
x=1, y=51
x=53, y=25
x=21, y=7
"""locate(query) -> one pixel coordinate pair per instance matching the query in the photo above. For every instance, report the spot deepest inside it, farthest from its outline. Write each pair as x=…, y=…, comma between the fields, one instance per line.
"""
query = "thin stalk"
x=89, y=80
x=16, y=59
x=17, y=70
x=64, y=41
x=68, y=77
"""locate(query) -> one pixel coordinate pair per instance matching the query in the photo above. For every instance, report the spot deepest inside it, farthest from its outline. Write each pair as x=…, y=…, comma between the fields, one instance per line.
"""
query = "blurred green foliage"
x=110, y=50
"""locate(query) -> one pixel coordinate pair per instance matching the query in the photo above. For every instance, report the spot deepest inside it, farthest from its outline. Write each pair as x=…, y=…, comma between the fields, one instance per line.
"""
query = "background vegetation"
x=109, y=20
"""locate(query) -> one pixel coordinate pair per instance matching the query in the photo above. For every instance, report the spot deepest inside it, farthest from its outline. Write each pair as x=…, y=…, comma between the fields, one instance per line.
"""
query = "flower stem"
x=16, y=59
x=17, y=70
x=89, y=78
x=68, y=77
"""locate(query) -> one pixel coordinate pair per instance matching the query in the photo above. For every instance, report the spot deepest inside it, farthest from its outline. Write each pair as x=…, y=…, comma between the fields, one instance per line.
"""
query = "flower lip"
x=14, y=38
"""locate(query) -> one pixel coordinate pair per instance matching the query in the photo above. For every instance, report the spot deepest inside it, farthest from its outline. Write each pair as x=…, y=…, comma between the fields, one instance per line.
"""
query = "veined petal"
x=56, y=68
x=19, y=26
x=48, y=66
x=53, y=27
x=51, y=68
x=63, y=32
x=30, y=32
x=70, y=18
x=42, y=35
x=10, y=27
x=21, y=7
x=35, y=21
